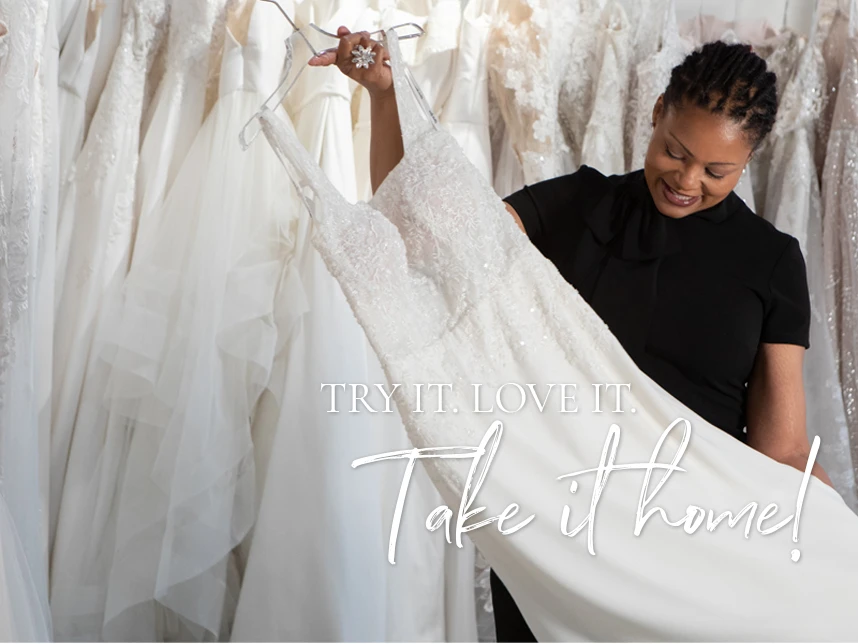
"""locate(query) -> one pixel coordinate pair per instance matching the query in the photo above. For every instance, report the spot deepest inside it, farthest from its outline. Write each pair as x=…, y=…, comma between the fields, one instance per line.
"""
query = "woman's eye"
x=672, y=155
x=713, y=175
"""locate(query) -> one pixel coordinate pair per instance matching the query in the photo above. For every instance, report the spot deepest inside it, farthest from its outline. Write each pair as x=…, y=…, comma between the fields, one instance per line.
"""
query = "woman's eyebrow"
x=691, y=154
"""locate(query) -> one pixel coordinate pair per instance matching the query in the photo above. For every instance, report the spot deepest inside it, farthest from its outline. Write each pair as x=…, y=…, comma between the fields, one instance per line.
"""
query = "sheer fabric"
x=793, y=205
x=27, y=170
x=436, y=251
x=164, y=479
x=652, y=76
x=840, y=229
x=604, y=139
x=529, y=49
x=325, y=584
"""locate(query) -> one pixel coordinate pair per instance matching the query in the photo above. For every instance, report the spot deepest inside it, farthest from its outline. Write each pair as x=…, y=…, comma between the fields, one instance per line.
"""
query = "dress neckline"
x=627, y=223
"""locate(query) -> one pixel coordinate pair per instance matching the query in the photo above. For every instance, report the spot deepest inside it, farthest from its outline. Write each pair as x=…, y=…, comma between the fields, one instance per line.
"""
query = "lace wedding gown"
x=793, y=205
x=165, y=481
x=781, y=54
x=652, y=76
x=76, y=67
x=840, y=231
x=318, y=585
x=431, y=58
x=529, y=48
x=604, y=139
x=27, y=158
x=96, y=226
x=435, y=250
x=179, y=101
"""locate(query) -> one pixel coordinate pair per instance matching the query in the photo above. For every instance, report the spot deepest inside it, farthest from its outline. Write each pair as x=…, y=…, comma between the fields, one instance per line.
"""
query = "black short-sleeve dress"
x=689, y=299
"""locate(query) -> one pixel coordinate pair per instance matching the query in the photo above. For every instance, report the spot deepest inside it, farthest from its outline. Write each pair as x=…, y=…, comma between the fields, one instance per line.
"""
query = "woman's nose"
x=688, y=179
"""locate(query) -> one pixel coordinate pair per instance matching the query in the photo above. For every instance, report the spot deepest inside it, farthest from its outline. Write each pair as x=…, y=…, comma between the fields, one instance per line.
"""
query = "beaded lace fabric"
x=652, y=75
x=604, y=146
x=450, y=291
x=25, y=212
x=528, y=49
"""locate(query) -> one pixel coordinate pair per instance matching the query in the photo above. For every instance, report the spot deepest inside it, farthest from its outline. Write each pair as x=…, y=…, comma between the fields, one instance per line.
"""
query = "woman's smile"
x=677, y=198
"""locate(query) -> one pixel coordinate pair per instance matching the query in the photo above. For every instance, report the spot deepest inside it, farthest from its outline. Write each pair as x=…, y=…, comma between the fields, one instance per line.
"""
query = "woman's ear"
x=658, y=110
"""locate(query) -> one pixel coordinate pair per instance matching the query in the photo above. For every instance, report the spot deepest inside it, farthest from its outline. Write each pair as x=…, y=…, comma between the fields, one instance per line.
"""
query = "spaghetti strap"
x=415, y=116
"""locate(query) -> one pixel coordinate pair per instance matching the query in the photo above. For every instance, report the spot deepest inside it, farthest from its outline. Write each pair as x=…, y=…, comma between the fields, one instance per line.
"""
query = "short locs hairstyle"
x=731, y=80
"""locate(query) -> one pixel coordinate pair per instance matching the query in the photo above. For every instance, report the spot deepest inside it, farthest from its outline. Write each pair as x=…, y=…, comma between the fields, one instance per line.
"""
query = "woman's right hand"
x=377, y=78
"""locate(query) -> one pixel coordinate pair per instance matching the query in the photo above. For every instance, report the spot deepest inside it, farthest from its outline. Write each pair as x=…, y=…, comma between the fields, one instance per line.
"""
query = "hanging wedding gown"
x=450, y=79
x=96, y=229
x=840, y=230
x=604, y=139
x=431, y=58
x=793, y=206
x=179, y=101
x=466, y=111
x=436, y=250
x=781, y=54
x=529, y=47
x=319, y=585
x=653, y=76
x=77, y=65
x=27, y=163
x=836, y=33
x=190, y=350
x=578, y=83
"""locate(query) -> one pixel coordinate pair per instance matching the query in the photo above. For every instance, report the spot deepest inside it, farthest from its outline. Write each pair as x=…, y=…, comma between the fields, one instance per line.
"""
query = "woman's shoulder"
x=758, y=231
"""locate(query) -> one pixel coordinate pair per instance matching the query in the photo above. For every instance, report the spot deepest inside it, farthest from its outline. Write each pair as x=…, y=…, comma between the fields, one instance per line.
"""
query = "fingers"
x=327, y=57
x=370, y=71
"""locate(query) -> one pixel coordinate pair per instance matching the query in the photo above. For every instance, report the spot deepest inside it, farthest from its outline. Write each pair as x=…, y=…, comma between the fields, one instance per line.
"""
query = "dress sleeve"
x=787, y=319
x=542, y=207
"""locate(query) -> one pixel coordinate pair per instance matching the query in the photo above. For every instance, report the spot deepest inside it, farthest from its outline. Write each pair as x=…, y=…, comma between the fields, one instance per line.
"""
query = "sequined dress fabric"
x=793, y=205
x=840, y=233
x=435, y=250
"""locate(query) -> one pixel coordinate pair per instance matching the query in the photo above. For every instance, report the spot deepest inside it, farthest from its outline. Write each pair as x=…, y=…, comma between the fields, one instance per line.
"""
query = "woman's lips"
x=675, y=198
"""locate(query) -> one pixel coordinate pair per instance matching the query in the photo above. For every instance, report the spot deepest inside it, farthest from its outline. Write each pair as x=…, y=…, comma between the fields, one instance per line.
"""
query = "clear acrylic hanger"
x=277, y=4
x=251, y=129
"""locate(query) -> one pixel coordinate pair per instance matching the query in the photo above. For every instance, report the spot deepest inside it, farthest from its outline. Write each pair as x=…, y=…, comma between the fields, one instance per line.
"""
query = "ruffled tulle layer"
x=185, y=355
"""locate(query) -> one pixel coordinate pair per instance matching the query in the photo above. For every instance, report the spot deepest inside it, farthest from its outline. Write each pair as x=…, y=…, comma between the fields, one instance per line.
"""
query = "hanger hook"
x=252, y=128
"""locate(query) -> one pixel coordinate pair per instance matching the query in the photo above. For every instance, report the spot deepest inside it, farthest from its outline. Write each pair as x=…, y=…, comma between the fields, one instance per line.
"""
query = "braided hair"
x=727, y=79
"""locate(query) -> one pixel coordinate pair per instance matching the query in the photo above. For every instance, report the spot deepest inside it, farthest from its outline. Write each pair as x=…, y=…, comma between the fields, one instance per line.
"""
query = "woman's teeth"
x=677, y=198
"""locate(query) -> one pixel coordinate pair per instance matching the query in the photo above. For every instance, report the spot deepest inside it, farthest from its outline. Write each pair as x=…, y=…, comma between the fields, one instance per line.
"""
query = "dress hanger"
x=246, y=136
x=419, y=33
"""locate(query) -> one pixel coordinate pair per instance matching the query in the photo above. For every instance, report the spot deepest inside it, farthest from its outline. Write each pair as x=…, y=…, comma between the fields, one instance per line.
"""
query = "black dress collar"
x=626, y=221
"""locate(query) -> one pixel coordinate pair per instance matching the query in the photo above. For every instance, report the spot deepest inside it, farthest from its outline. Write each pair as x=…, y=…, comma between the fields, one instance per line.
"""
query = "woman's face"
x=695, y=159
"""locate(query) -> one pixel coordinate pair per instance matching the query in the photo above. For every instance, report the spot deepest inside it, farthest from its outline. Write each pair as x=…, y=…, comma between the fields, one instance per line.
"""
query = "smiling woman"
x=708, y=299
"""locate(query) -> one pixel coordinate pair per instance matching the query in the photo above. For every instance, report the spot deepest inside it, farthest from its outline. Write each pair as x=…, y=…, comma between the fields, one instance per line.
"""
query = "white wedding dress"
x=431, y=57
x=163, y=486
x=319, y=584
x=604, y=146
x=652, y=76
x=76, y=67
x=529, y=48
x=436, y=251
x=96, y=229
x=781, y=54
x=179, y=102
x=793, y=206
x=27, y=163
